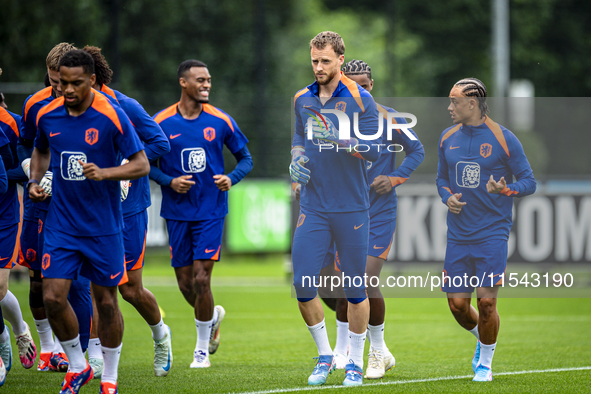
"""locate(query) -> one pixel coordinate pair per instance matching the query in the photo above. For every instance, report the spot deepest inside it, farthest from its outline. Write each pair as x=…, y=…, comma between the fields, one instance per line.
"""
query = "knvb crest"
x=209, y=133
x=46, y=261
x=31, y=255
x=91, y=136
x=340, y=106
x=301, y=220
x=485, y=150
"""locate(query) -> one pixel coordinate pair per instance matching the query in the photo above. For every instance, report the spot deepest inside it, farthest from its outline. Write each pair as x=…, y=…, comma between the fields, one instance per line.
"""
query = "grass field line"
x=426, y=380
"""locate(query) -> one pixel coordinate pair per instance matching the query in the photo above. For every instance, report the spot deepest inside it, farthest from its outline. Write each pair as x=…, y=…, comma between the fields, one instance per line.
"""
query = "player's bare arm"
x=381, y=184
x=495, y=187
x=454, y=204
x=223, y=182
x=39, y=165
x=182, y=184
x=297, y=190
x=137, y=167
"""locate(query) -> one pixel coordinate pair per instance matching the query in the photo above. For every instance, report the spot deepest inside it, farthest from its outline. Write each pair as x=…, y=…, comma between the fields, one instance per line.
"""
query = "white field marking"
x=296, y=389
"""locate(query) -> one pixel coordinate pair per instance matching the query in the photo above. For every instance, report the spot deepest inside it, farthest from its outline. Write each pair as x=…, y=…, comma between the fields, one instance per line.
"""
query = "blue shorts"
x=470, y=265
x=197, y=240
x=28, y=247
x=332, y=257
x=79, y=294
x=134, y=239
x=381, y=234
x=8, y=241
x=99, y=259
x=314, y=235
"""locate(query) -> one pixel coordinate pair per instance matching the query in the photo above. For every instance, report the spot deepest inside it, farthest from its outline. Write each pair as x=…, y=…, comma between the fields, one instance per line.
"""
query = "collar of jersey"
x=471, y=130
x=314, y=88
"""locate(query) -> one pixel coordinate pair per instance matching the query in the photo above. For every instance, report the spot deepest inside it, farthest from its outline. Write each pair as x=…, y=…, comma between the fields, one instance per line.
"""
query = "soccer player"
x=194, y=195
x=384, y=178
x=52, y=356
x=334, y=198
x=135, y=219
x=9, y=221
x=79, y=137
x=478, y=159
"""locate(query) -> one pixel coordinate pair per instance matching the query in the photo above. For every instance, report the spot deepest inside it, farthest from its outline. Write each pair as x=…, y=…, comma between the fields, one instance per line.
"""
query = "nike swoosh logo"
x=53, y=134
x=127, y=262
x=172, y=137
x=209, y=250
x=453, y=147
x=4, y=258
x=114, y=276
x=356, y=227
x=307, y=106
x=167, y=364
x=378, y=247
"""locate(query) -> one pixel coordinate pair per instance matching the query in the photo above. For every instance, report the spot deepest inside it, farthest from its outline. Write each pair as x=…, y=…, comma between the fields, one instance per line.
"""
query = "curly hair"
x=53, y=57
x=101, y=68
x=472, y=87
x=357, y=67
x=328, y=38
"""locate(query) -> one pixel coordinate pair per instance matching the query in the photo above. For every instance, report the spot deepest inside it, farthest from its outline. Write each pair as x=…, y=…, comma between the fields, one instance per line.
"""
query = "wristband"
x=32, y=181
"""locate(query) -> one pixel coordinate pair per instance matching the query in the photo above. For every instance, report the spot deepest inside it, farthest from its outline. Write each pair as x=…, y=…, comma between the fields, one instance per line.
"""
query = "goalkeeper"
x=334, y=198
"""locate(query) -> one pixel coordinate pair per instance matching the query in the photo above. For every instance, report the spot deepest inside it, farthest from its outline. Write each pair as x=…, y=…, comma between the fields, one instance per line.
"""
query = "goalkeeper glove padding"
x=26, y=165
x=124, y=184
x=46, y=182
x=297, y=171
x=328, y=133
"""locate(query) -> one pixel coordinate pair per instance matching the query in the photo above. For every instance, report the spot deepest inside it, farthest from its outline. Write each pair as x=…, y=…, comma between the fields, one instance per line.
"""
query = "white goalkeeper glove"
x=328, y=133
x=26, y=165
x=46, y=183
x=124, y=184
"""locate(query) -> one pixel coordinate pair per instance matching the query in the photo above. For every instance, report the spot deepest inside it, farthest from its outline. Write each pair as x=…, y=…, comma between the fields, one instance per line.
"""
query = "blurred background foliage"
x=257, y=52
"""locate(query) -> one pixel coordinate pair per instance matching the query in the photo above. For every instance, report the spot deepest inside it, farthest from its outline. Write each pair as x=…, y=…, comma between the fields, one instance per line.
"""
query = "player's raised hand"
x=454, y=204
x=297, y=171
x=326, y=132
x=223, y=182
x=92, y=171
x=182, y=184
x=495, y=187
x=381, y=184
x=36, y=193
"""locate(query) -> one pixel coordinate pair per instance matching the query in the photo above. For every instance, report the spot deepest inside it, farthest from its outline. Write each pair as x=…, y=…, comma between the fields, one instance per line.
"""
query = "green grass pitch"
x=266, y=347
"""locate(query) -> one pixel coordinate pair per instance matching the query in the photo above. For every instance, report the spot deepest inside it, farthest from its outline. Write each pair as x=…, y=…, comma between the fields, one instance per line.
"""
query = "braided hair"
x=357, y=67
x=472, y=87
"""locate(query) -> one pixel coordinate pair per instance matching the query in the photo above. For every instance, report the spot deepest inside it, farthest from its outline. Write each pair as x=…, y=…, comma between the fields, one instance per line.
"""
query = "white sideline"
x=311, y=388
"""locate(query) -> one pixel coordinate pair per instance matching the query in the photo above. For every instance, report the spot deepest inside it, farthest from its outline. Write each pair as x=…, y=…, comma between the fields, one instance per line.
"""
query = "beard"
x=327, y=78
